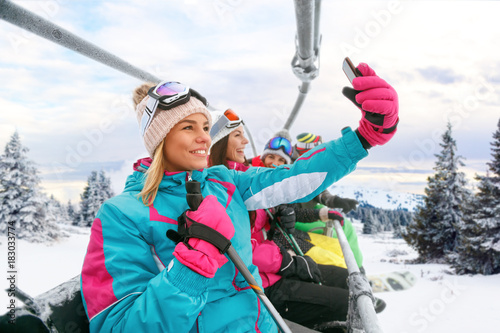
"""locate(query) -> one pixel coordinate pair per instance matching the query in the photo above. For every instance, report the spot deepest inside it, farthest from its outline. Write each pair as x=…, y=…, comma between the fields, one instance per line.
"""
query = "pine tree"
x=369, y=225
x=433, y=231
x=97, y=190
x=478, y=249
x=70, y=211
x=23, y=208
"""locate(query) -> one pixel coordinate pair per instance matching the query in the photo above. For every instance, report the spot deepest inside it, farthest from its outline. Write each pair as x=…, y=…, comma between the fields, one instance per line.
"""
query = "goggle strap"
x=198, y=96
x=147, y=116
x=183, y=100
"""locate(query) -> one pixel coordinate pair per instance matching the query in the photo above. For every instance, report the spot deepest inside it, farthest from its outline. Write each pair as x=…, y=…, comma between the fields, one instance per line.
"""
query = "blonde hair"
x=154, y=175
x=155, y=172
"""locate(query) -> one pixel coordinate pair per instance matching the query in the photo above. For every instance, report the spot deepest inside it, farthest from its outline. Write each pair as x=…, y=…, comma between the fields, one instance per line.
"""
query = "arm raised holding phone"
x=378, y=102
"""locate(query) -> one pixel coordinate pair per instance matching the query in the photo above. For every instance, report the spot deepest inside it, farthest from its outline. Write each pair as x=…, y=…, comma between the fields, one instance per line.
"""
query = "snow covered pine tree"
x=433, y=230
x=478, y=246
x=22, y=205
x=97, y=191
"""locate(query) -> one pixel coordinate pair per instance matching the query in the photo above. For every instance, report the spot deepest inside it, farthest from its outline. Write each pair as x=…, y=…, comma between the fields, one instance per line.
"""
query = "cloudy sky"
x=75, y=115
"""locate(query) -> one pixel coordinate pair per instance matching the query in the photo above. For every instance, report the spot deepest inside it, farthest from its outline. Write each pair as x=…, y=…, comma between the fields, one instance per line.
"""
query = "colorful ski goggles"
x=165, y=96
x=280, y=143
x=229, y=119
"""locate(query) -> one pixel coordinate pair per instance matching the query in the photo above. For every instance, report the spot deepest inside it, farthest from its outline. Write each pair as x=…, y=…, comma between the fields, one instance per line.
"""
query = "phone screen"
x=349, y=69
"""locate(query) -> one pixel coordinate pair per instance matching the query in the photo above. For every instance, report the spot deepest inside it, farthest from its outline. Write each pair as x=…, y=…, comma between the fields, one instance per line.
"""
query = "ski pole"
x=289, y=237
x=194, y=199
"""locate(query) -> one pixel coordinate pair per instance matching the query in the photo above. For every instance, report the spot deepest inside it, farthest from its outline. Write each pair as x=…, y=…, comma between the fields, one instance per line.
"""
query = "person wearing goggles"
x=228, y=139
x=134, y=278
x=277, y=151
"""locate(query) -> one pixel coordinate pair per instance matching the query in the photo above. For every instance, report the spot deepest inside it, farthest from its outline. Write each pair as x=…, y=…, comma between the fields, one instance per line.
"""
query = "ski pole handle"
x=193, y=196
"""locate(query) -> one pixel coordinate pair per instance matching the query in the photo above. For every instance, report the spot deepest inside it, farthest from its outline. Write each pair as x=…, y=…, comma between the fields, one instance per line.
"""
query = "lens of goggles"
x=231, y=115
x=279, y=142
x=167, y=92
x=170, y=88
x=230, y=120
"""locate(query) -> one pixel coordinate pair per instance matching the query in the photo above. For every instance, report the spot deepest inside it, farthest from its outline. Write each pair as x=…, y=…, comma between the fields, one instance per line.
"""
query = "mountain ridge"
x=379, y=198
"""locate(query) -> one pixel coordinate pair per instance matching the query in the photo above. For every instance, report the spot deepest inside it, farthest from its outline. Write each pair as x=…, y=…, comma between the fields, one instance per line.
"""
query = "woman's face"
x=273, y=159
x=236, y=144
x=186, y=145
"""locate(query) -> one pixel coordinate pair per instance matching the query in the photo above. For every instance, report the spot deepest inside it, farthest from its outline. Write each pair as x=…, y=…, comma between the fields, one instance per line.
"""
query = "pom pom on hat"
x=164, y=120
x=283, y=134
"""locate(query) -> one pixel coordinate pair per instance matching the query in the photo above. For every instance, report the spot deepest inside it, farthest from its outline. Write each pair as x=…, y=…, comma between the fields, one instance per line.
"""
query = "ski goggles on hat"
x=229, y=119
x=280, y=143
x=165, y=96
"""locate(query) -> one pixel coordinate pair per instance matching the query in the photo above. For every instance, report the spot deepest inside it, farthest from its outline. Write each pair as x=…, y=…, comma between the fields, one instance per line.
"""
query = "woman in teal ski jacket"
x=135, y=279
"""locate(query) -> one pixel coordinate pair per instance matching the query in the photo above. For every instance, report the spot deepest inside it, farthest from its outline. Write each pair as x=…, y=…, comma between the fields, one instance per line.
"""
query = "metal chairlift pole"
x=359, y=288
x=36, y=24
x=305, y=63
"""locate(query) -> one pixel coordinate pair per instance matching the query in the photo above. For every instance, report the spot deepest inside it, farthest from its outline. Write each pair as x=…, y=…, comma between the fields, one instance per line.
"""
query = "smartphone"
x=350, y=70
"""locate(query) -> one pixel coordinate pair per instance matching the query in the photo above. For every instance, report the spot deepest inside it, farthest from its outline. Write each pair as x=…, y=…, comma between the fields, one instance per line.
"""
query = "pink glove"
x=334, y=215
x=326, y=214
x=203, y=257
x=379, y=106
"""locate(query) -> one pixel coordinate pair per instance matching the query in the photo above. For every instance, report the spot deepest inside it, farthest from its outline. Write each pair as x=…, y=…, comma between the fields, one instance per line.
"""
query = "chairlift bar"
x=305, y=63
x=250, y=138
x=304, y=12
x=303, y=90
x=36, y=24
x=364, y=303
x=317, y=14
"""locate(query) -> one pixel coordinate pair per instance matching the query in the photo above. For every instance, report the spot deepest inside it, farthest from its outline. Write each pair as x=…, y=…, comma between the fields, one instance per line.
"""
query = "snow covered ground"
x=439, y=302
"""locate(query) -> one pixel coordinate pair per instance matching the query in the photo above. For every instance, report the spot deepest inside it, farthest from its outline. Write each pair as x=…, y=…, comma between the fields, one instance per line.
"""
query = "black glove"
x=345, y=204
x=286, y=217
x=299, y=267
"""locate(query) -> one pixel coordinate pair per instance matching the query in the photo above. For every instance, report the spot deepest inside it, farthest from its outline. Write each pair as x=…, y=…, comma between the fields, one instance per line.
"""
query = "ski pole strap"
x=200, y=231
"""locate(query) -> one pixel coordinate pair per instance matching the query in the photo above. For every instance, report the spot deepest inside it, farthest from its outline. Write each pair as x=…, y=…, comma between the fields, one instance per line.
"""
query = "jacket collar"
x=237, y=166
x=170, y=179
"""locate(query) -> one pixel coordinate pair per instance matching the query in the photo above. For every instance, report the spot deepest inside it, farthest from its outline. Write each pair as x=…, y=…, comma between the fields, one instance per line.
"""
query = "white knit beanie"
x=164, y=120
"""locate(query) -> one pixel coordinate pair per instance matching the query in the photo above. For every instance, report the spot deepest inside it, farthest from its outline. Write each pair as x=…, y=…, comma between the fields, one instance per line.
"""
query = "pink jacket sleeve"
x=266, y=256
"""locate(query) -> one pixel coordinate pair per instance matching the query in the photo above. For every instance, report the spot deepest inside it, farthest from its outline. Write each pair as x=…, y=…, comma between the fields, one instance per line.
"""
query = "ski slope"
x=439, y=302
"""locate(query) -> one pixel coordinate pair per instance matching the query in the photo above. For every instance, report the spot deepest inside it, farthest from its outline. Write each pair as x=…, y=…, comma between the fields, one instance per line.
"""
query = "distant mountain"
x=379, y=198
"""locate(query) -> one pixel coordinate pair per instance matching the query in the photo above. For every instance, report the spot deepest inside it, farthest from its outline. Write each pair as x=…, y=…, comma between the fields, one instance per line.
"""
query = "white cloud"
x=237, y=53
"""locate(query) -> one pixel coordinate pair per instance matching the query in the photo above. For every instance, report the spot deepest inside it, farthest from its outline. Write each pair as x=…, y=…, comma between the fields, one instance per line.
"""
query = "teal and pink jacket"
x=130, y=280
